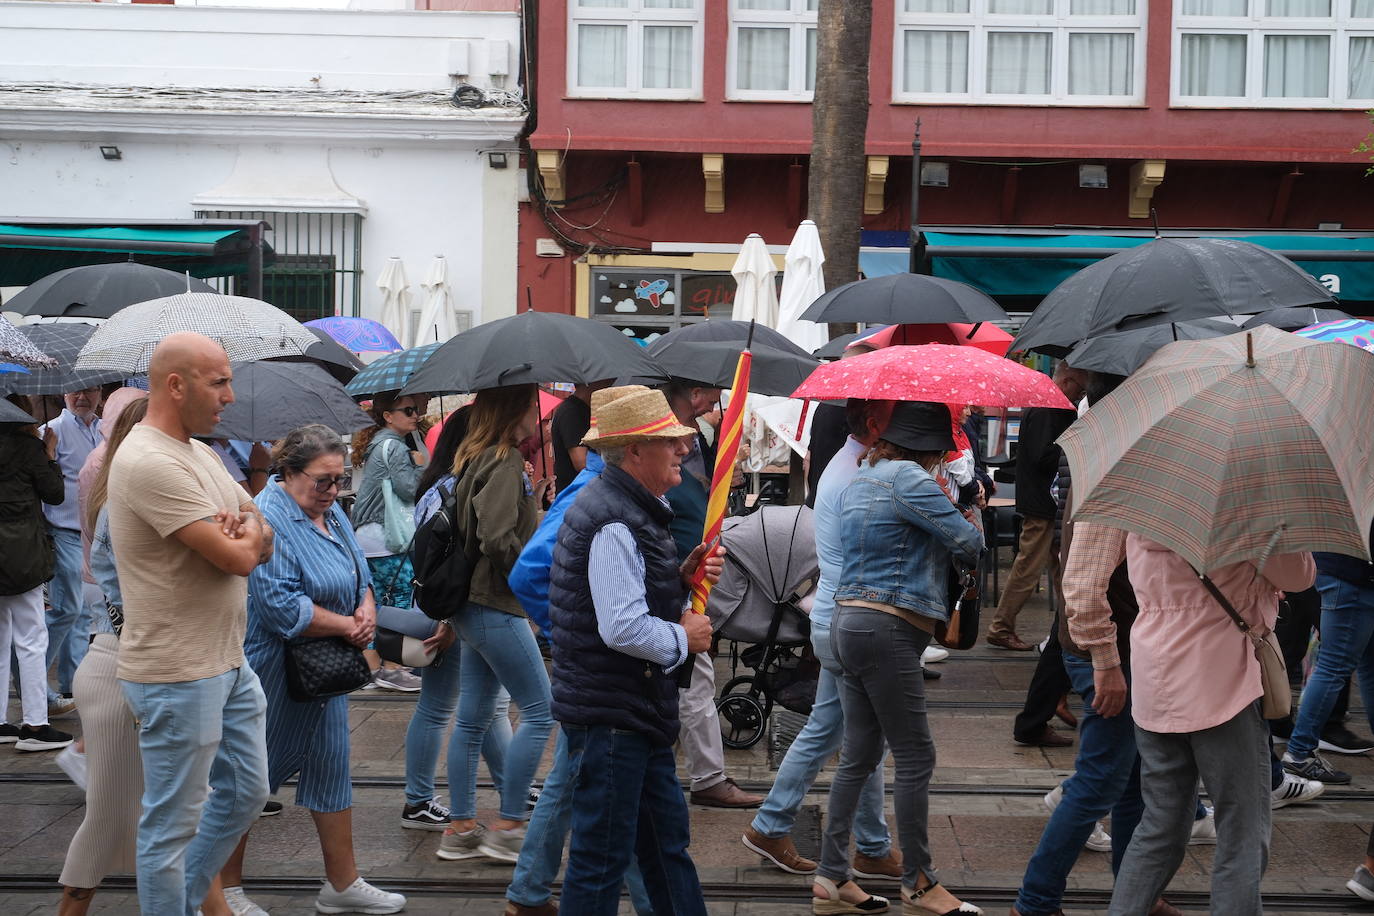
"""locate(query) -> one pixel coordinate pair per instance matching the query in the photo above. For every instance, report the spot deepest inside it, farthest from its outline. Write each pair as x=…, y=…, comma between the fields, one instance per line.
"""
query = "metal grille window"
x=318, y=269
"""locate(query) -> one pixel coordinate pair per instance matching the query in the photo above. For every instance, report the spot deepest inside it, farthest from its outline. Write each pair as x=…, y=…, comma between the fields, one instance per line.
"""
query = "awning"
x=1032, y=264
x=31, y=251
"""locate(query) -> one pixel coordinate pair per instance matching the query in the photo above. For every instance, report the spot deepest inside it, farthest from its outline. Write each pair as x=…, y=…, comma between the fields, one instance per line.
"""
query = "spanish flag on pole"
x=727, y=449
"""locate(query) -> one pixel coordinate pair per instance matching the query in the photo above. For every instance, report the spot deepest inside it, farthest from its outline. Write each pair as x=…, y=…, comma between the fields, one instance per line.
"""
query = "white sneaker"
x=240, y=905
x=1204, y=830
x=73, y=763
x=358, y=897
x=933, y=654
x=1099, y=841
x=1294, y=790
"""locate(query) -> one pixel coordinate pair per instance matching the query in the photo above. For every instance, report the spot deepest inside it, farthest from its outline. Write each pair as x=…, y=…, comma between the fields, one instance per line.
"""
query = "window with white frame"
x=773, y=49
x=1274, y=53
x=1027, y=52
x=635, y=48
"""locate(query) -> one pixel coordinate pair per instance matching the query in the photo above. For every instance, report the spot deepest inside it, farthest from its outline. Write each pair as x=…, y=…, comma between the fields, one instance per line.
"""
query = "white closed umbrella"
x=756, y=294
x=436, y=322
x=395, y=300
x=803, y=282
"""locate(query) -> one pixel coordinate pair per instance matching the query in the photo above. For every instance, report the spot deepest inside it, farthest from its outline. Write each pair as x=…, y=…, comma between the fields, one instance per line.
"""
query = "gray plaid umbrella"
x=248, y=329
x=63, y=342
x=272, y=398
x=16, y=348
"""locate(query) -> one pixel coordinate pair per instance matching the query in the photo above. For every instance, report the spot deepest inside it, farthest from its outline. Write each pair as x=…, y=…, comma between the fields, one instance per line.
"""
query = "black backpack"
x=443, y=569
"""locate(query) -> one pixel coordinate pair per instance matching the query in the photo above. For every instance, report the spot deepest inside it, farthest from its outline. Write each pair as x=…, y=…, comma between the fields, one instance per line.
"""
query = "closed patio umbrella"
x=803, y=282
x=437, y=322
x=756, y=292
x=395, y=300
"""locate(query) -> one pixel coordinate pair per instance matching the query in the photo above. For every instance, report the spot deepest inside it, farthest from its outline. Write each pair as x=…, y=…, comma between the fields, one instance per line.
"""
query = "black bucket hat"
x=921, y=426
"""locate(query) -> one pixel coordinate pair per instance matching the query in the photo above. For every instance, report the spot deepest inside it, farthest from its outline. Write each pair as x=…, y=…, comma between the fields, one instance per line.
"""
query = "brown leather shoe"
x=1046, y=737
x=1010, y=641
x=778, y=850
x=726, y=794
x=518, y=909
x=1064, y=714
x=1163, y=907
x=888, y=867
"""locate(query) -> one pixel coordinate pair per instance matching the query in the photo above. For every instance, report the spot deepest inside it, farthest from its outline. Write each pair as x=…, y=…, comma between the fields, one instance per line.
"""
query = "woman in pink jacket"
x=1195, y=683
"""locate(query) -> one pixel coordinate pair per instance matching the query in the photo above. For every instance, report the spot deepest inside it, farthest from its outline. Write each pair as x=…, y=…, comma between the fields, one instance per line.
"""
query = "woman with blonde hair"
x=498, y=512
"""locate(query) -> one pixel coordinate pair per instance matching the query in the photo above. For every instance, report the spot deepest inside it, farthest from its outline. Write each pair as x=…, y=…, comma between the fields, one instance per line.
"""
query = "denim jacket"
x=899, y=530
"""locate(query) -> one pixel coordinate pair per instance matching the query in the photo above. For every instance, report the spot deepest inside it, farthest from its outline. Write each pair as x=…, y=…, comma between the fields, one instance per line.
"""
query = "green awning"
x=1012, y=264
x=30, y=252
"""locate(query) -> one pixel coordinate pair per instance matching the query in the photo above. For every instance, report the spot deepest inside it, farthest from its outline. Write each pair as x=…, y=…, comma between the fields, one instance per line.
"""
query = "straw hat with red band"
x=631, y=413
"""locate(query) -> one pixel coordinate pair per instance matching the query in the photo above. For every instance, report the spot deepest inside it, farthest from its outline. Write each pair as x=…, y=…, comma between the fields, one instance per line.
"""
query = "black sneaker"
x=1315, y=767
x=1340, y=740
x=270, y=809
x=428, y=816
x=41, y=738
x=8, y=733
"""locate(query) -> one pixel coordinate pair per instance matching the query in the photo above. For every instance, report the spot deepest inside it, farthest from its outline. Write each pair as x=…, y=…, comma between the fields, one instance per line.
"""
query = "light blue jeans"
x=498, y=651
x=193, y=735
x=816, y=743
x=1347, y=631
x=547, y=834
x=69, y=629
x=434, y=711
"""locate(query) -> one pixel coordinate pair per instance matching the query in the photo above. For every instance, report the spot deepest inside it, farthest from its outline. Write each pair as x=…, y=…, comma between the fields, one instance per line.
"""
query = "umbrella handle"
x=1269, y=547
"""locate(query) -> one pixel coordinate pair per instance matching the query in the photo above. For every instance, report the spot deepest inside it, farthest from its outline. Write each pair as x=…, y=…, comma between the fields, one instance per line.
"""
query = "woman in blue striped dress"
x=316, y=584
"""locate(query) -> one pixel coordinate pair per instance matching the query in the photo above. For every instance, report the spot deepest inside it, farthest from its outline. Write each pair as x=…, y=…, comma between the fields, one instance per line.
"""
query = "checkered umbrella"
x=391, y=372
x=16, y=348
x=248, y=329
x=1234, y=448
x=63, y=342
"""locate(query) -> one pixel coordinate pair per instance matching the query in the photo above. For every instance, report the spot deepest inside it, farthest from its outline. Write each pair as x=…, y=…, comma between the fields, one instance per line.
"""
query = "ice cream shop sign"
x=647, y=303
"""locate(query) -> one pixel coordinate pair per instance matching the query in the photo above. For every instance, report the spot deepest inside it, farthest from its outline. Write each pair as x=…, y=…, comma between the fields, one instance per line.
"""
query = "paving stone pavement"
x=986, y=813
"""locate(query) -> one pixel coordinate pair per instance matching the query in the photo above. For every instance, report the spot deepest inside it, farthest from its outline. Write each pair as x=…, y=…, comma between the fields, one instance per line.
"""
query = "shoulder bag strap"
x=1226, y=606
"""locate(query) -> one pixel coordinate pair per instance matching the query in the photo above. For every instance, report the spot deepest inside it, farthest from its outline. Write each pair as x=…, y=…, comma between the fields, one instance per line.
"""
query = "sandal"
x=911, y=908
x=832, y=905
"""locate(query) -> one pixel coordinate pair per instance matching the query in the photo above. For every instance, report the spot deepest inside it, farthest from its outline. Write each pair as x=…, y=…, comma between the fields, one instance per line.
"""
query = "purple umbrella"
x=361, y=335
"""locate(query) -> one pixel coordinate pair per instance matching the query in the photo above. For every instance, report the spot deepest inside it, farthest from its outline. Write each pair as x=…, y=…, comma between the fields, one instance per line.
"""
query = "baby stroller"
x=761, y=606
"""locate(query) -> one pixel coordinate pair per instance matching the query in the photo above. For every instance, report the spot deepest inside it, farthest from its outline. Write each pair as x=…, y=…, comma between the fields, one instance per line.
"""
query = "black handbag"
x=319, y=667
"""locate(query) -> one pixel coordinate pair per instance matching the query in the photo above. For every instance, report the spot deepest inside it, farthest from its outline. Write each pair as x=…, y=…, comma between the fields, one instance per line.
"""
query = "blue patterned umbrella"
x=361, y=335
x=1354, y=331
x=391, y=372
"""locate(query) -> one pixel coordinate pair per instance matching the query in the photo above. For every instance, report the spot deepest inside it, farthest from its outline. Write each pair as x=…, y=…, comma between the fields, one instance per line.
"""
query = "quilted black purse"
x=318, y=667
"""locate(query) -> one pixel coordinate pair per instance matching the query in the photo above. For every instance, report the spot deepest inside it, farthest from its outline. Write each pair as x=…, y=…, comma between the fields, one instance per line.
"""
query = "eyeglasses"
x=408, y=411
x=325, y=484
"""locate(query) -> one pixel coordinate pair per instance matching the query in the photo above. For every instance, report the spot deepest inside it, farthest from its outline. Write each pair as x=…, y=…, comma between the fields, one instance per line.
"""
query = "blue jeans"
x=1106, y=779
x=628, y=805
x=433, y=712
x=69, y=629
x=498, y=651
x=817, y=742
x=547, y=833
x=194, y=734
x=1347, y=632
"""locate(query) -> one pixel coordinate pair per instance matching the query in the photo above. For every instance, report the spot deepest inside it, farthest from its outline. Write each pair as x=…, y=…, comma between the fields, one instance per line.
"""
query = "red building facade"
x=667, y=130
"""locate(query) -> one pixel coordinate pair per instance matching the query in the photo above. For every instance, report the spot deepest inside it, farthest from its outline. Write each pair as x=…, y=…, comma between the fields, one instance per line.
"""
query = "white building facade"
x=341, y=128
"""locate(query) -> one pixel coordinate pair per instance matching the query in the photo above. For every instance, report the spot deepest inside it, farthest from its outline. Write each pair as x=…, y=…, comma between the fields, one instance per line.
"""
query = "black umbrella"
x=835, y=349
x=329, y=355
x=1166, y=280
x=905, y=299
x=1293, y=319
x=531, y=347
x=9, y=413
x=1123, y=352
x=708, y=352
x=100, y=290
x=63, y=342
x=271, y=398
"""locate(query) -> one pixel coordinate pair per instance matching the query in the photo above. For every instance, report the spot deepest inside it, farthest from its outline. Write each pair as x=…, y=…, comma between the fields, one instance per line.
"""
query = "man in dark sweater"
x=1037, y=461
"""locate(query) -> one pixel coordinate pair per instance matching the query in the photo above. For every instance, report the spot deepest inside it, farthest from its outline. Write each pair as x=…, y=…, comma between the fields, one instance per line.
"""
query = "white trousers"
x=23, y=627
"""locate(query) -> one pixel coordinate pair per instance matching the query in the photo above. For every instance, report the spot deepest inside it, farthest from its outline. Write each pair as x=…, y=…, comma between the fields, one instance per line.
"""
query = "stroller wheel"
x=748, y=684
x=741, y=720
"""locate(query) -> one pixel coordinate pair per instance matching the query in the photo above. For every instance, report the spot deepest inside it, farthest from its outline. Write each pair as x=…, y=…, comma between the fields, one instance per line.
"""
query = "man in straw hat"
x=621, y=629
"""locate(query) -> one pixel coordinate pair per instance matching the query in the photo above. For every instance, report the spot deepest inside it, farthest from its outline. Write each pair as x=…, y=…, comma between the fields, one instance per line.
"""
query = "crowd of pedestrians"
x=176, y=603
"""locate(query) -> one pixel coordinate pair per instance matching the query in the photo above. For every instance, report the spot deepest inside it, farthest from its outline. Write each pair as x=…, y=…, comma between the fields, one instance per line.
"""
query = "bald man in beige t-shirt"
x=185, y=538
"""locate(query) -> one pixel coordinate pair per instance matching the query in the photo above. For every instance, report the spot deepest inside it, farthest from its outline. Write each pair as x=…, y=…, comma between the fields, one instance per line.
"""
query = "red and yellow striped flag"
x=727, y=449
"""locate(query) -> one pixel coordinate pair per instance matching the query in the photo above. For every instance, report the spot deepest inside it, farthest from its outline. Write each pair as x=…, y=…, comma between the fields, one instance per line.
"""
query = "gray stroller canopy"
x=770, y=559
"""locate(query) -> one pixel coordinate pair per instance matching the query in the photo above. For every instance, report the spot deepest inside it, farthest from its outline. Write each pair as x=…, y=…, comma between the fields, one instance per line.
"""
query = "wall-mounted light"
x=1330, y=226
x=497, y=160
x=935, y=174
x=111, y=153
x=1092, y=176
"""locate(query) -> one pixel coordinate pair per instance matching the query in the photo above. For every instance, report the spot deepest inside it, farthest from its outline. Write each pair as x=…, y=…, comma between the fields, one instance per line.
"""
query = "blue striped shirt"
x=615, y=571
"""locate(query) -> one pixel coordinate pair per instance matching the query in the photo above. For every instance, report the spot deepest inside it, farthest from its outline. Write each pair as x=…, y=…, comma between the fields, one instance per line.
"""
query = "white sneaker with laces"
x=358, y=897
x=1099, y=841
x=73, y=763
x=1204, y=830
x=933, y=654
x=1295, y=790
x=240, y=905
